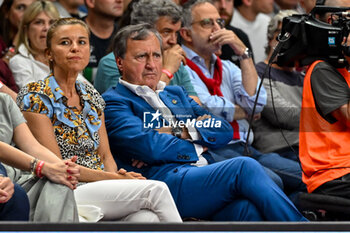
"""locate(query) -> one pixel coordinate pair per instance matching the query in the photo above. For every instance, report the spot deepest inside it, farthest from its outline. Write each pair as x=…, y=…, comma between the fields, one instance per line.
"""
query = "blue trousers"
x=236, y=189
x=287, y=169
x=17, y=208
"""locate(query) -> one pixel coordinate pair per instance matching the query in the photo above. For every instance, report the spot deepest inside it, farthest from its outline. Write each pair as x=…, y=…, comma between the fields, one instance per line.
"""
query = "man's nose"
x=150, y=63
x=216, y=26
x=223, y=4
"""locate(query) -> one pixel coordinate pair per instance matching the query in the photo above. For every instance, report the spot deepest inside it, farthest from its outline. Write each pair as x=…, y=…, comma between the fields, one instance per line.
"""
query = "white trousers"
x=128, y=200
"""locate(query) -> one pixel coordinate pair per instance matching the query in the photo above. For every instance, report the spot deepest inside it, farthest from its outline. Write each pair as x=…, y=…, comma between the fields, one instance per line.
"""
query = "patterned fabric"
x=76, y=131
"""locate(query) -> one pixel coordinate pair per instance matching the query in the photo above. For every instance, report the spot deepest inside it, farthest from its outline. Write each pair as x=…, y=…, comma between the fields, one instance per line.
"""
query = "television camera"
x=304, y=38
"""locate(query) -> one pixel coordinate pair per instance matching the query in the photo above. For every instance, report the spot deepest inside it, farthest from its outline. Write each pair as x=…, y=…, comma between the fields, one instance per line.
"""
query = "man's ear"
x=90, y=3
x=186, y=34
x=248, y=2
x=119, y=62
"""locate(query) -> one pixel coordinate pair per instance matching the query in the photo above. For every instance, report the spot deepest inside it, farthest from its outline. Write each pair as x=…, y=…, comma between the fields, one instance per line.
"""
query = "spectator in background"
x=126, y=4
x=307, y=5
x=166, y=17
x=11, y=13
x=227, y=91
x=69, y=8
x=7, y=79
x=286, y=87
x=101, y=19
x=30, y=64
x=288, y=5
x=252, y=17
x=225, y=8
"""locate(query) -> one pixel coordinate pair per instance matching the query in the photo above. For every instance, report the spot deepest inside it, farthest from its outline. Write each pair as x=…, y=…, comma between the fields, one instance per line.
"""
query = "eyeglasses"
x=209, y=23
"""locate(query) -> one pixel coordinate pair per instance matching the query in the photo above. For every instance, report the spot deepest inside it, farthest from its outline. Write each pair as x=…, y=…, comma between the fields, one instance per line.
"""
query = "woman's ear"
x=48, y=54
x=247, y=2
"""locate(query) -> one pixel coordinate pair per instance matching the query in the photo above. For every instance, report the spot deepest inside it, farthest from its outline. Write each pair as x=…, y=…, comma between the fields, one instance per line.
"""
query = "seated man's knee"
x=246, y=162
x=239, y=210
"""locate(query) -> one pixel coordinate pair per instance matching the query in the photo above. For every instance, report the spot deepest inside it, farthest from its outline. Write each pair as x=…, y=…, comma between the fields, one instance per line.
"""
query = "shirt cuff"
x=201, y=160
x=193, y=132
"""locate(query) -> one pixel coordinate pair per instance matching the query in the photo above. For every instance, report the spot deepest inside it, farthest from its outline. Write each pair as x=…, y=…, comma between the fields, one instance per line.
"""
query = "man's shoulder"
x=118, y=93
x=174, y=89
x=109, y=57
x=261, y=17
x=111, y=94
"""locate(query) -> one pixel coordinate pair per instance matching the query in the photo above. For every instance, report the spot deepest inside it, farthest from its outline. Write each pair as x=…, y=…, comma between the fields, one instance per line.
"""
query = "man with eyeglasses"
x=227, y=91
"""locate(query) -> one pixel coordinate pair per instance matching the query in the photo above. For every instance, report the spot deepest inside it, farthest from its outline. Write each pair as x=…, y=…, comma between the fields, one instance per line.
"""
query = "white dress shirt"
x=153, y=99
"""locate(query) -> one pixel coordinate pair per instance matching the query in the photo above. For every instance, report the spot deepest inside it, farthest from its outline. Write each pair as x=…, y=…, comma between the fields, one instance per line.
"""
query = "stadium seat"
x=319, y=207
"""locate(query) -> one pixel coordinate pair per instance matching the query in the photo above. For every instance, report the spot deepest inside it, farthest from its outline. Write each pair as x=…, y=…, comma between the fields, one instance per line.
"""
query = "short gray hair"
x=149, y=11
x=273, y=26
x=133, y=32
x=276, y=20
x=187, y=11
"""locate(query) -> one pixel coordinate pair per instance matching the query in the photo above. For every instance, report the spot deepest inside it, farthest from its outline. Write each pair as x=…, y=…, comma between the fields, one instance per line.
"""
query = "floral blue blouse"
x=76, y=131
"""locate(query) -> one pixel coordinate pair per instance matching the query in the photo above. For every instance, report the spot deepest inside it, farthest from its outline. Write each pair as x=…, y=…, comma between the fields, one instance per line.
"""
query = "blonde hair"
x=29, y=15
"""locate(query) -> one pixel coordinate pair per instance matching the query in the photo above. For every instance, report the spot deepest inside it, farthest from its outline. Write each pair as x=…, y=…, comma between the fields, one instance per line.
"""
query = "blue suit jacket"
x=129, y=139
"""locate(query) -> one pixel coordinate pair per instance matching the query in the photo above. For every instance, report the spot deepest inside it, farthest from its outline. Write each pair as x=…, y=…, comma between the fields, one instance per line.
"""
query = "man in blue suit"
x=162, y=133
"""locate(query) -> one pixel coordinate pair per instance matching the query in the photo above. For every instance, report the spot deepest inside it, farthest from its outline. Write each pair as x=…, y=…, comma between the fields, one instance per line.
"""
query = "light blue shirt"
x=231, y=87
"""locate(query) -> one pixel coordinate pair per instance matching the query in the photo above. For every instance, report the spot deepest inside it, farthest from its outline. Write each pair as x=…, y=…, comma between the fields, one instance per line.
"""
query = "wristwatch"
x=176, y=131
x=246, y=55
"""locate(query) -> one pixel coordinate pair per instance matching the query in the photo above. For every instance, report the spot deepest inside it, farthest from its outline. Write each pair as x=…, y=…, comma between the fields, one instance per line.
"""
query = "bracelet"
x=33, y=164
x=168, y=73
x=39, y=168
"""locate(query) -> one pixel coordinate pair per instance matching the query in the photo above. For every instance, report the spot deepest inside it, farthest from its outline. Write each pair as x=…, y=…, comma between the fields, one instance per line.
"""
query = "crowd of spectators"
x=164, y=136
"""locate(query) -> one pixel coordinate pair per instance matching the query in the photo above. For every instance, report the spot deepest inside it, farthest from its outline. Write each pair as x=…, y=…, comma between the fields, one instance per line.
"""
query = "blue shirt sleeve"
x=233, y=93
